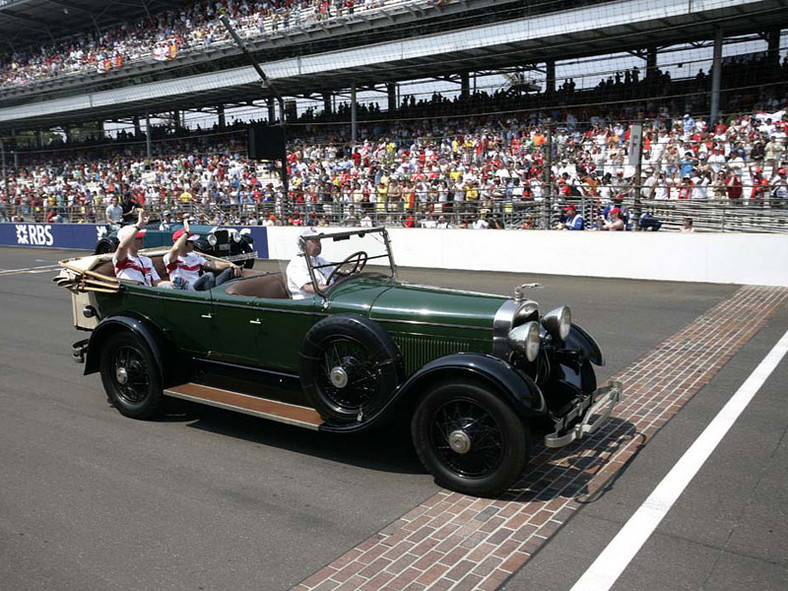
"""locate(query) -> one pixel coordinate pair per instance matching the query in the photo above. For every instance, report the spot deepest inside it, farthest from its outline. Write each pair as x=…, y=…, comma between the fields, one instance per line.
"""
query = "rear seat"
x=271, y=286
x=267, y=286
x=107, y=268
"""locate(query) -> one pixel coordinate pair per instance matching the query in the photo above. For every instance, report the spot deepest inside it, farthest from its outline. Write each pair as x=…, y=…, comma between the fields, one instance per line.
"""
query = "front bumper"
x=594, y=415
x=79, y=350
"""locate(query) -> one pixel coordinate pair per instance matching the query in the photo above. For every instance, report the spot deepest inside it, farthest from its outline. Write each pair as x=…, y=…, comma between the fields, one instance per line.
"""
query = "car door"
x=189, y=320
x=261, y=332
x=280, y=329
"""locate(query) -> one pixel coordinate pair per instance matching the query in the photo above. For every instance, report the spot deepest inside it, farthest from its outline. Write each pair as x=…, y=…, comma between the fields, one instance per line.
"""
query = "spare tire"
x=106, y=245
x=349, y=367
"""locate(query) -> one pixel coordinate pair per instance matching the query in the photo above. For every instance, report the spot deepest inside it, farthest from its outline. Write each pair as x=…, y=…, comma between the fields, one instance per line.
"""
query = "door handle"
x=255, y=321
x=209, y=316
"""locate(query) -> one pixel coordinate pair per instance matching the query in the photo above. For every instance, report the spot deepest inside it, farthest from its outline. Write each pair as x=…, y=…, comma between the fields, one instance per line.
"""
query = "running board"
x=292, y=414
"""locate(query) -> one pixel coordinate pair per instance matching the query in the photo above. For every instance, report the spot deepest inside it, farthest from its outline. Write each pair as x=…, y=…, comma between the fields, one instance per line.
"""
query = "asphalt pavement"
x=206, y=499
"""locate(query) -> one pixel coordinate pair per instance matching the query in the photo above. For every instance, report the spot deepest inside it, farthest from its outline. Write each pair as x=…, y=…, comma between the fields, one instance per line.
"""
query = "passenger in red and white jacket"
x=131, y=266
x=190, y=270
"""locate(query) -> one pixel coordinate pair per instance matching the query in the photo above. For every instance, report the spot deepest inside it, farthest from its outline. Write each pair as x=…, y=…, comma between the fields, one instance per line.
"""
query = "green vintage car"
x=477, y=376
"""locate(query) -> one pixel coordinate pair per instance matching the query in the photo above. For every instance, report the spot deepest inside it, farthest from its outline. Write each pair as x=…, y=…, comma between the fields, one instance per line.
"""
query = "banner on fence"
x=85, y=236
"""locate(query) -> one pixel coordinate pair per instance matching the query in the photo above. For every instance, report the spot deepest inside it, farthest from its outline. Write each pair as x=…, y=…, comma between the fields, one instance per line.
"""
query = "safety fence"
x=764, y=216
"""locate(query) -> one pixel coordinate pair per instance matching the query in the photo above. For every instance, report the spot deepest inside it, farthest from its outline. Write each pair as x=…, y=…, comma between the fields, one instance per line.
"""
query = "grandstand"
x=464, y=109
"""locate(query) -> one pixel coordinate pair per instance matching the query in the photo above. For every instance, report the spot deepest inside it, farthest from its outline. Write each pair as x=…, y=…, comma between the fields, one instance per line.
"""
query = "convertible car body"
x=226, y=243
x=477, y=376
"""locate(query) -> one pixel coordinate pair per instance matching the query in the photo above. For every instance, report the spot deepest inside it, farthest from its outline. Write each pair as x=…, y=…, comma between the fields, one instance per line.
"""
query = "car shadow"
x=387, y=448
x=566, y=472
x=571, y=472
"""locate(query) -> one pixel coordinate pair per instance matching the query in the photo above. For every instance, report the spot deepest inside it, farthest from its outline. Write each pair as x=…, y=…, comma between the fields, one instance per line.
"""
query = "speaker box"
x=266, y=142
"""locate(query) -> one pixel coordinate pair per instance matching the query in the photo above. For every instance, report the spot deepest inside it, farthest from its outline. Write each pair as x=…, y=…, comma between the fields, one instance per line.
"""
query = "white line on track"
x=609, y=565
x=39, y=269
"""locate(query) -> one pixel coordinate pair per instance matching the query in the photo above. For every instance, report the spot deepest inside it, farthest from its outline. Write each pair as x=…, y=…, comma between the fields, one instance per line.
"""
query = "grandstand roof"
x=587, y=30
x=23, y=22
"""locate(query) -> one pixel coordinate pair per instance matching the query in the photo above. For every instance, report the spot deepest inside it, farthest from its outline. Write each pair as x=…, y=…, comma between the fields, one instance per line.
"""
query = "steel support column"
x=716, y=77
x=220, y=116
x=353, y=114
x=550, y=85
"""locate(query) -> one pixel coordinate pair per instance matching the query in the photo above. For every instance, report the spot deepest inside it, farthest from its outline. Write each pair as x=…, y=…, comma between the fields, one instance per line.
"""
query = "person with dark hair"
x=687, y=228
x=129, y=207
x=113, y=214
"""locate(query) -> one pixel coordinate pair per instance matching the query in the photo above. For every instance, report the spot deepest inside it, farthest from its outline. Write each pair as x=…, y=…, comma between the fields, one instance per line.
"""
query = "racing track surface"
x=206, y=499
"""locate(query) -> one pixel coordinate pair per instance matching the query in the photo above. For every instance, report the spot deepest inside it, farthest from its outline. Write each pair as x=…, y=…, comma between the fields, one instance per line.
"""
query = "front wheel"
x=470, y=439
x=130, y=376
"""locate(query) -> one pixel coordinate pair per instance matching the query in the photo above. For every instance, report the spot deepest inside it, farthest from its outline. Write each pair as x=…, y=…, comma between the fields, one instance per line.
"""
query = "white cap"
x=308, y=233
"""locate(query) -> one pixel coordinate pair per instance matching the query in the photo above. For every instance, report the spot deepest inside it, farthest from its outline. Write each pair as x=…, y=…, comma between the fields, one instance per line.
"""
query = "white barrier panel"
x=748, y=259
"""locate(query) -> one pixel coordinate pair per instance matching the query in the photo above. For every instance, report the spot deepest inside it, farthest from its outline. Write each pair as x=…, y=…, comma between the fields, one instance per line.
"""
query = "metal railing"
x=768, y=216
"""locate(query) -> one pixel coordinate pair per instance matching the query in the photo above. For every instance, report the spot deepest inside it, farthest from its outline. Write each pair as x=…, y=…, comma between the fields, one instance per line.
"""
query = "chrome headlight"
x=235, y=236
x=211, y=239
x=558, y=322
x=527, y=311
x=525, y=338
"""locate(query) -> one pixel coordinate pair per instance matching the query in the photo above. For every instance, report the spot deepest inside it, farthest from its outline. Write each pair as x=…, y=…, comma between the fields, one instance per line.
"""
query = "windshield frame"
x=347, y=235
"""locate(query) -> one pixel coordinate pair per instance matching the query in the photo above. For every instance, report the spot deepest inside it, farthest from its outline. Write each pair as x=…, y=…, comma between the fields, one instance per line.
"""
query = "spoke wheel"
x=349, y=367
x=130, y=376
x=470, y=439
x=466, y=438
x=348, y=375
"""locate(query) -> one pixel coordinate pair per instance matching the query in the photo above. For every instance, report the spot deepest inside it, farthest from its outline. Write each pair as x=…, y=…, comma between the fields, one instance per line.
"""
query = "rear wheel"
x=130, y=376
x=470, y=439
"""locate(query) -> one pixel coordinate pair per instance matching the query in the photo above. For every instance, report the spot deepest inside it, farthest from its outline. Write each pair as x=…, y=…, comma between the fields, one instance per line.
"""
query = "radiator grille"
x=416, y=351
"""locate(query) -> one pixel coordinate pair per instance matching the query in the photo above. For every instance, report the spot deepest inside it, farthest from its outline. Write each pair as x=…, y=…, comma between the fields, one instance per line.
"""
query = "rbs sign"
x=82, y=236
x=34, y=235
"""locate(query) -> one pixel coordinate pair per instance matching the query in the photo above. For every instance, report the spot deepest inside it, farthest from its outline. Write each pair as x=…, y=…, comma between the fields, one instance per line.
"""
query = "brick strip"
x=452, y=541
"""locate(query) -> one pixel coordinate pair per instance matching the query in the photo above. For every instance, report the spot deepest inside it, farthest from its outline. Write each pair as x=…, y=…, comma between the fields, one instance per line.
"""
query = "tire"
x=130, y=376
x=349, y=367
x=106, y=246
x=470, y=439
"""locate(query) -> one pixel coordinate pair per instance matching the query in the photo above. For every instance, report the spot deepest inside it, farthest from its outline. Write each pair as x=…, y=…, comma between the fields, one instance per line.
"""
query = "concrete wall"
x=754, y=259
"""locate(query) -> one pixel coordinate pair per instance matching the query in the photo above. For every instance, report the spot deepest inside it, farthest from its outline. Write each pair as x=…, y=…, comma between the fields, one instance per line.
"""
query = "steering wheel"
x=355, y=263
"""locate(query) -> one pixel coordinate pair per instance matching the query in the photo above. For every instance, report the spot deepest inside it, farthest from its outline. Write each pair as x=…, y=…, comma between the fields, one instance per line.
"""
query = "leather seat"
x=271, y=286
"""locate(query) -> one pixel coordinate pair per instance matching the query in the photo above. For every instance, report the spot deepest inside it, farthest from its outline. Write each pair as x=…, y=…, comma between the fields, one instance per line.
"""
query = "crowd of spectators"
x=480, y=172
x=164, y=36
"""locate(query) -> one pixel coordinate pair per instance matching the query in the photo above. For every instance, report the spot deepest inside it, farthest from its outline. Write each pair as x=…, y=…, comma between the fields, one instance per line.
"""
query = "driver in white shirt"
x=299, y=282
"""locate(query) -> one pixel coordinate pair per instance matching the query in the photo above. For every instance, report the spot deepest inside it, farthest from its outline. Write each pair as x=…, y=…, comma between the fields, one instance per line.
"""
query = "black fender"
x=113, y=324
x=202, y=245
x=517, y=389
x=580, y=340
x=578, y=376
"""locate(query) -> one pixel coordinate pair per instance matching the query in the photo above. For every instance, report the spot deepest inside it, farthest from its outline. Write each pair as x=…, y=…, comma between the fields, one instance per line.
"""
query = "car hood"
x=389, y=300
x=435, y=305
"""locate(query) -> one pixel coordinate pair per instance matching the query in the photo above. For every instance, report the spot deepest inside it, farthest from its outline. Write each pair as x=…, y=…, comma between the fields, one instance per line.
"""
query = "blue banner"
x=85, y=236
